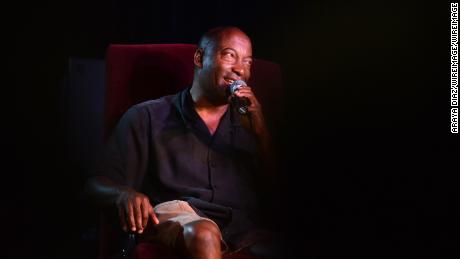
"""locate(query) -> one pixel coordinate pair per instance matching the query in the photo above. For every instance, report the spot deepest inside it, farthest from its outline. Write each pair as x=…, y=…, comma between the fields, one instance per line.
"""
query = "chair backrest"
x=136, y=73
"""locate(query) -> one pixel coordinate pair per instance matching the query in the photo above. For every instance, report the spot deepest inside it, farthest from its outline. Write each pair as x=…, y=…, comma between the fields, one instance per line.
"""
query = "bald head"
x=214, y=36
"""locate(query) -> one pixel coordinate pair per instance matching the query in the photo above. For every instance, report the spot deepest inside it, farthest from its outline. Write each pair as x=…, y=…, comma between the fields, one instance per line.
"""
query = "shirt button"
x=213, y=164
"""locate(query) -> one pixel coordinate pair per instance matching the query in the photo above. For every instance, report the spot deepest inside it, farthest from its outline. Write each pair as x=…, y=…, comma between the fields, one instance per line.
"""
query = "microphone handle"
x=242, y=105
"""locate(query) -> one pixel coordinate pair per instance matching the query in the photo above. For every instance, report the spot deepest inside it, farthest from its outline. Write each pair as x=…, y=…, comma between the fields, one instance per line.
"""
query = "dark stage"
x=368, y=160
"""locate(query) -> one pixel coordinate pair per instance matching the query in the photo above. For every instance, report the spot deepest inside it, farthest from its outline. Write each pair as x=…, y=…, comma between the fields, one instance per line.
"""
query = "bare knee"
x=201, y=232
x=202, y=237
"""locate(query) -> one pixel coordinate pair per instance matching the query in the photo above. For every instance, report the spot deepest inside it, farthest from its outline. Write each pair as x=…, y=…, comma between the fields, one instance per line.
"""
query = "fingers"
x=134, y=210
x=130, y=217
x=243, y=89
x=153, y=216
x=247, y=92
x=138, y=215
x=256, y=122
x=145, y=212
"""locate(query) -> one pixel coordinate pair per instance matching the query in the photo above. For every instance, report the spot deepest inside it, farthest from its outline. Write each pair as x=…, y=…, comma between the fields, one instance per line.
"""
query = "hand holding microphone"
x=247, y=104
x=242, y=103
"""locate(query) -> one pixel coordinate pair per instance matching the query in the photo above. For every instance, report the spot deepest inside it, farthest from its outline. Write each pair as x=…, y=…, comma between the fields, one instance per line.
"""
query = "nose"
x=238, y=69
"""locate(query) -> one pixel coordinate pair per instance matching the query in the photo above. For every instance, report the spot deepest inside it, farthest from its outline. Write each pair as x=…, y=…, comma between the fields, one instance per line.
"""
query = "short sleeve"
x=125, y=158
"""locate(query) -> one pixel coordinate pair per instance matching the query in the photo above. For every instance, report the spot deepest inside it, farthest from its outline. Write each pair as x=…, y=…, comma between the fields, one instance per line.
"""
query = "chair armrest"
x=128, y=245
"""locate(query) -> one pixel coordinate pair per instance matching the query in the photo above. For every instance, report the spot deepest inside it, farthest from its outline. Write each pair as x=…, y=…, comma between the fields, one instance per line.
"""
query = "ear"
x=198, y=57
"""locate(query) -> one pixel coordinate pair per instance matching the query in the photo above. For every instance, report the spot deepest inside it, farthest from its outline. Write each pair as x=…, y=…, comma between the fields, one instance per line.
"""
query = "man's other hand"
x=134, y=210
x=254, y=123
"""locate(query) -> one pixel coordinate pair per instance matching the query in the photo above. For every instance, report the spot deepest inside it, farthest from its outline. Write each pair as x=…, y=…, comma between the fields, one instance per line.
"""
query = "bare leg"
x=200, y=240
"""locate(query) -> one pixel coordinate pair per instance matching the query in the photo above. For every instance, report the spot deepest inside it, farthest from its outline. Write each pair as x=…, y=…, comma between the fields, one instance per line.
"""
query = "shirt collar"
x=184, y=104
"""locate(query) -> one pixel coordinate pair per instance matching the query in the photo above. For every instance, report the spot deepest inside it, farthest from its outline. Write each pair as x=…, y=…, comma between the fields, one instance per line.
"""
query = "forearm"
x=102, y=191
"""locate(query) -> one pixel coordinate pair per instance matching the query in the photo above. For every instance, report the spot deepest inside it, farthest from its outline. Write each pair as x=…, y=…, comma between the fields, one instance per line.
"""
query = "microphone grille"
x=236, y=85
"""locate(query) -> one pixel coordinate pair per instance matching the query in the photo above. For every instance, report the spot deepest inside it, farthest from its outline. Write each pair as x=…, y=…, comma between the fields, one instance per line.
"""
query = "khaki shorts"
x=173, y=215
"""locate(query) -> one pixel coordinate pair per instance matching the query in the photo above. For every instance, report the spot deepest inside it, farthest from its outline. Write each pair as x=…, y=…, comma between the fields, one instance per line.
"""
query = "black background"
x=368, y=159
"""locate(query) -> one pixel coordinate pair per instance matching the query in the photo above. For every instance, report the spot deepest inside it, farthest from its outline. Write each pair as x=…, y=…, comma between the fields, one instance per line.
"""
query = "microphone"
x=241, y=103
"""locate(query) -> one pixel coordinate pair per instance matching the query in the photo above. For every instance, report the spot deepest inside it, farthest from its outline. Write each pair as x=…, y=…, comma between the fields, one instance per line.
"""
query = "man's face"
x=227, y=60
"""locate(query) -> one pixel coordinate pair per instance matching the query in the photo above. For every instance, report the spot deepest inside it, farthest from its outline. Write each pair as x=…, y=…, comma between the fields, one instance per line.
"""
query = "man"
x=182, y=169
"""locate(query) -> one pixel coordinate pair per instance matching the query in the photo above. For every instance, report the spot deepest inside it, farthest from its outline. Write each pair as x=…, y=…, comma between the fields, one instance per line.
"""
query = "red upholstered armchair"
x=148, y=71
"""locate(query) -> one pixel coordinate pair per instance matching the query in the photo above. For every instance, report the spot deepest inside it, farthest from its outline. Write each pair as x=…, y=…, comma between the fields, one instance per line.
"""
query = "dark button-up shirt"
x=164, y=149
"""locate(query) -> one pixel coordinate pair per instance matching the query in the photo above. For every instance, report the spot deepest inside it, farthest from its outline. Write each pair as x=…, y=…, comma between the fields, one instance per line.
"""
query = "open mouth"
x=229, y=80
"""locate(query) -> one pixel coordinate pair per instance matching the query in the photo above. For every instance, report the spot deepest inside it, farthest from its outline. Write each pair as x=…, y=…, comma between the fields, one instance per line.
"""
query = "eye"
x=229, y=55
